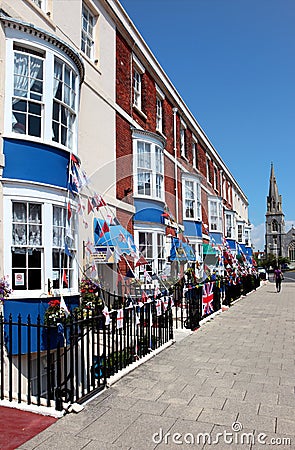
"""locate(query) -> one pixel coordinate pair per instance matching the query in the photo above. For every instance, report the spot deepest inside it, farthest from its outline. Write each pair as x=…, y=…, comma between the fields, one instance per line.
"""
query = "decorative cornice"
x=31, y=29
x=149, y=134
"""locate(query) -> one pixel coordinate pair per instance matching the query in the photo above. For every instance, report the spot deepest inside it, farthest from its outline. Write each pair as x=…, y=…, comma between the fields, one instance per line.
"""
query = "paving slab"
x=236, y=370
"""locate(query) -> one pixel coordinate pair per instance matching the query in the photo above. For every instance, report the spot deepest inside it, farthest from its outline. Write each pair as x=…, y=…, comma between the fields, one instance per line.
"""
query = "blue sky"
x=233, y=63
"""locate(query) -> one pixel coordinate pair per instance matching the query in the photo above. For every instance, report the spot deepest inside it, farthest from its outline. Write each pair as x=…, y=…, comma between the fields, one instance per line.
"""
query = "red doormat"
x=18, y=426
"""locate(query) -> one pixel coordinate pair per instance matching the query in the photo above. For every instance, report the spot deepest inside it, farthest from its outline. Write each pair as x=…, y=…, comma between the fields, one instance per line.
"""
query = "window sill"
x=141, y=113
x=91, y=61
x=149, y=197
x=192, y=219
x=45, y=15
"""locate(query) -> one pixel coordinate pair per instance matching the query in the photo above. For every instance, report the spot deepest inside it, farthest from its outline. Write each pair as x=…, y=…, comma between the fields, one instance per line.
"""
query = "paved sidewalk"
x=236, y=369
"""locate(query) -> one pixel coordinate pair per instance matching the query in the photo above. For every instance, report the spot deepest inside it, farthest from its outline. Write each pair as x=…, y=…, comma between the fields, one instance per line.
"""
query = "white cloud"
x=257, y=237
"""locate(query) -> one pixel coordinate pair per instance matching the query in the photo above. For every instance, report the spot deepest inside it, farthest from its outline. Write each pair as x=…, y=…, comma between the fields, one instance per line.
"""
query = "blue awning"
x=148, y=211
x=232, y=244
x=192, y=228
x=117, y=236
x=216, y=238
x=180, y=251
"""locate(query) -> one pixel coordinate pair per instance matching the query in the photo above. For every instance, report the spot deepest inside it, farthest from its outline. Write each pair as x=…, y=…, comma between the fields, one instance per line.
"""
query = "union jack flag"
x=207, y=299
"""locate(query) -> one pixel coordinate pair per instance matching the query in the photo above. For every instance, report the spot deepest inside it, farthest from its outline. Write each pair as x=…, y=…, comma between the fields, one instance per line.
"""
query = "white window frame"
x=159, y=109
x=215, y=177
x=229, y=230
x=88, y=22
x=183, y=147
x=208, y=178
x=61, y=229
x=240, y=232
x=26, y=240
x=40, y=3
x=196, y=209
x=215, y=214
x=154, y=170
x=24, y=83
x=50, y=53
x=64, y=114
x=156, y=257
x=247, y=237
x=195, y=152
x=137, y=73
x=159, y=114
x=47, y=199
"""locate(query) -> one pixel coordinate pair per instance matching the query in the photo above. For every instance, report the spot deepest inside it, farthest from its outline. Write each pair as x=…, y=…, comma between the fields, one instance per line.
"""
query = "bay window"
x=27, y=100
x=40, y=253
x=149, y=170
x=37, y=112
x=151, y=245
x=27, y=249
x=145, y=245
x=240, y=233
x=229, y=225
x=192, y=199
x=64, y=100
x=62, y=262
x=215, y=214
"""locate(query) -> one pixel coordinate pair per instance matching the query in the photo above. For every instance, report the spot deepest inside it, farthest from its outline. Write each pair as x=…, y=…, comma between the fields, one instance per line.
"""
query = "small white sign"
x=19, y=279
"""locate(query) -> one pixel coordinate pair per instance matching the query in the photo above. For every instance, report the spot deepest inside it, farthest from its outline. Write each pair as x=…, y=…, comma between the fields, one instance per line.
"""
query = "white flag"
x=120, y=318
x=159, y=307
x=63, y=306
x=106, y=313
x=137, y=320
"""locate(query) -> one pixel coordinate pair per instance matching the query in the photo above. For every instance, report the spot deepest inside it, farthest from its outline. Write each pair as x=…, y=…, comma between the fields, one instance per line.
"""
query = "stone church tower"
x=275, y=222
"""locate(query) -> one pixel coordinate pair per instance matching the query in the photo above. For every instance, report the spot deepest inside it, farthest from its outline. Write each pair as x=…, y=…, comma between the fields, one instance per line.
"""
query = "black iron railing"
x=75, y=357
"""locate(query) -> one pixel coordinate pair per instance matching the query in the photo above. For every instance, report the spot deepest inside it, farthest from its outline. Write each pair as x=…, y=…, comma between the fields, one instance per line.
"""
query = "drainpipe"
x=175, y=164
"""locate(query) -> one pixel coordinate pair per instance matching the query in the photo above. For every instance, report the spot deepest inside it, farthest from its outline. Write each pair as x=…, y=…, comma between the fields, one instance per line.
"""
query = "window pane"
x=19, y=258
x=35, y=235
x=34, y=126
x=19, y=234
x=34, y=279
x=20, y=86
x=55, y=131
x=20, y=105
x=34, y=258
x=34, y=213
x=35, y=108
x=19, y=213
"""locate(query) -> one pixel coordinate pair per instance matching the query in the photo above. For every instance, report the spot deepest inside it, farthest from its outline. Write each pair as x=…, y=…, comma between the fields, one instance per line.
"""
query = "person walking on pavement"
x=278, y=277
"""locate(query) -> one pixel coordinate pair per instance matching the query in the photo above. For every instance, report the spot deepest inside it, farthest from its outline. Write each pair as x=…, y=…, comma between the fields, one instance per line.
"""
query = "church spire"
x=274, y=200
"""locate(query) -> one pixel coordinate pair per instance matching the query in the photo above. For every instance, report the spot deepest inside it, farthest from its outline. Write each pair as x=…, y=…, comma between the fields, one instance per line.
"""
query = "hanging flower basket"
x=5, y=290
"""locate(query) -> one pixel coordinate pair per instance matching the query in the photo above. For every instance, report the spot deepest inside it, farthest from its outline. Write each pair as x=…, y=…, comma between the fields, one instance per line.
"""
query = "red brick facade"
x=204, y=165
